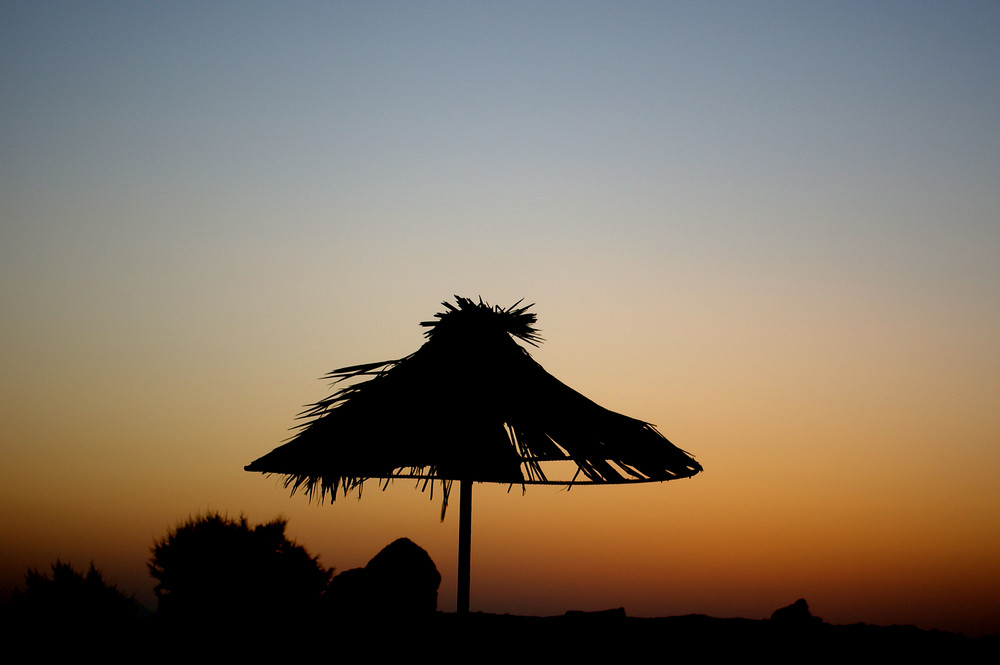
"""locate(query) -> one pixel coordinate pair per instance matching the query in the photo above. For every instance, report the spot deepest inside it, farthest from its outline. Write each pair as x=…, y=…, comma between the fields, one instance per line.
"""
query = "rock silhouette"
x=796, y=614
x=401, y=580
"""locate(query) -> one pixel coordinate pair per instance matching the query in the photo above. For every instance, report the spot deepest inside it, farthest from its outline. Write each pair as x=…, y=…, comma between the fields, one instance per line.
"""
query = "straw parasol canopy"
x=469, y=405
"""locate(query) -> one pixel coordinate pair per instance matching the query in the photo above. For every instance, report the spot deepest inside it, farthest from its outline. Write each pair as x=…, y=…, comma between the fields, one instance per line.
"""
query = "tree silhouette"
x=215, y=567
x=71, y=597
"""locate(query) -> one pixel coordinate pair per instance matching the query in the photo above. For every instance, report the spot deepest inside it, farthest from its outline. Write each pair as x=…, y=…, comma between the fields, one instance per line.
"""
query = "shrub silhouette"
x=214, y=567
x=70, y=596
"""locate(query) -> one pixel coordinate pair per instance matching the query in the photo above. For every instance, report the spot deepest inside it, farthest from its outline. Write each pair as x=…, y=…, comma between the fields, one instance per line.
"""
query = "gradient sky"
x=770, y=228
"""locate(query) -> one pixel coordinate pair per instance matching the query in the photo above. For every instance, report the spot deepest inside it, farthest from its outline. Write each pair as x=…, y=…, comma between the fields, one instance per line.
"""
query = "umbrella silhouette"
x=469, y=405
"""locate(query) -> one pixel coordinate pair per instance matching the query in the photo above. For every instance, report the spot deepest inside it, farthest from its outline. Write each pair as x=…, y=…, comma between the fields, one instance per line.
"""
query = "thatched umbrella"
x=469, y=405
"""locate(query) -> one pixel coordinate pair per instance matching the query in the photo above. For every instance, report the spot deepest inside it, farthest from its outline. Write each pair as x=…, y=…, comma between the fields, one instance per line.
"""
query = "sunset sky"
x=770, y=228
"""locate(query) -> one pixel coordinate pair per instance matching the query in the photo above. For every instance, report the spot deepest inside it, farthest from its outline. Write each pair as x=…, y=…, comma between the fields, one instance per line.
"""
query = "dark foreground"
x=492, y=637
x=613, y=632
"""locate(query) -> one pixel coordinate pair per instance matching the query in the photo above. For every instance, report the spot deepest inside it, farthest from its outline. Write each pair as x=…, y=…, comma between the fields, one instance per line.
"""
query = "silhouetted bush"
x=70, y=597
x=217, y=568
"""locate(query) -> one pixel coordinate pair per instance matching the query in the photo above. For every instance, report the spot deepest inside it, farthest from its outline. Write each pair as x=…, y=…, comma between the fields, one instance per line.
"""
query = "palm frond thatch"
x=470, y=404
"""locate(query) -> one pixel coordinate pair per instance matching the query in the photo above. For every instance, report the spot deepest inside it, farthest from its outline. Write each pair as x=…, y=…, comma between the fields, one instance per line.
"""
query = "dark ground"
x=613, y=632
x=501, y=638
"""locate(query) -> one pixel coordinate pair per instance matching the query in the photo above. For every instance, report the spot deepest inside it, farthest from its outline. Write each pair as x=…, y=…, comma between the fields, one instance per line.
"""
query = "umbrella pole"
x=464, y=543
